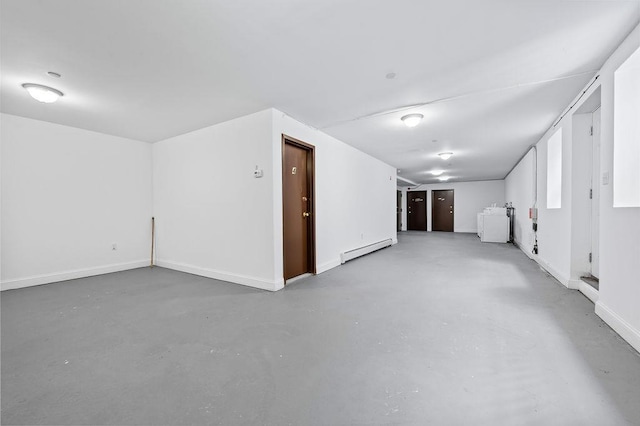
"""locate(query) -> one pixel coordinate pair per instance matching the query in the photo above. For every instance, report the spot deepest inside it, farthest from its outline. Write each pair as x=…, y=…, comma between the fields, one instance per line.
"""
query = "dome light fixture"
x=412, y=120
x=445, y=155
x=437, y=172
x=444, y=178
x=42, y=93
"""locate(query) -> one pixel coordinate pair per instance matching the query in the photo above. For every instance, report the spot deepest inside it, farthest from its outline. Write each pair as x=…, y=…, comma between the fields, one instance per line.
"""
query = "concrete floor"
x=439, y=329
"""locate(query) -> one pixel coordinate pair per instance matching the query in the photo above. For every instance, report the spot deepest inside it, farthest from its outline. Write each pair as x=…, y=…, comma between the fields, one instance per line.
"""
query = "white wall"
x=519, y=191
x=619, y=294
x=355, y=194
x=213, y=218
x=67, y=195
x=554, y=225
x=619, y=298
x=469, y=199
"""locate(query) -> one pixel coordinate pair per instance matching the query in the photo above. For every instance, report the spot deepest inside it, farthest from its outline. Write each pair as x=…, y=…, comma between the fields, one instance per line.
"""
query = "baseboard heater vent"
x=361, y=251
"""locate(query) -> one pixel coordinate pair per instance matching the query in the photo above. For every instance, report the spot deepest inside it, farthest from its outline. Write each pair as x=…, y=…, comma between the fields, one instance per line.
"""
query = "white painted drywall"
x=67, y=195
x=619, y=298
x=470, y=198
x=213, y=217
x=626, y=150
x=355, y=194
x=554, y=170
x=554, y=225
x=619, y=295
x=519, y=191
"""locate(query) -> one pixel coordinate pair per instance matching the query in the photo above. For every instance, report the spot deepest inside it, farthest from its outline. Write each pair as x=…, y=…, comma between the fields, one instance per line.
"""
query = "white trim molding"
x=591, y=293
x=70, y=275
x=328, y=265
x=245, y=280
x=620, y=326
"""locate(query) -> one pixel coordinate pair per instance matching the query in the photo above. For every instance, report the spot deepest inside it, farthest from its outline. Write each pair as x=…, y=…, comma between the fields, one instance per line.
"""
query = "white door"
x=595, y=201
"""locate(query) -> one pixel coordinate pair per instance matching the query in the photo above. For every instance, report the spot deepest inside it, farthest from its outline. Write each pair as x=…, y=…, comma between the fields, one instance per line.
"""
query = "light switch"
x=605, y=178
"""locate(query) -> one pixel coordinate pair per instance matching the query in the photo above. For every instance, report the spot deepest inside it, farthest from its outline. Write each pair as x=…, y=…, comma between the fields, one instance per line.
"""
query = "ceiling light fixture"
x=42, y=93
x=445, y=155
x=444, y=178
x=412, y=120
x=437, y=172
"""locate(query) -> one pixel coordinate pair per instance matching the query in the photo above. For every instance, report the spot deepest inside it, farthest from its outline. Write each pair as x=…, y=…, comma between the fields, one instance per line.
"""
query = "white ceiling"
x=491, y=76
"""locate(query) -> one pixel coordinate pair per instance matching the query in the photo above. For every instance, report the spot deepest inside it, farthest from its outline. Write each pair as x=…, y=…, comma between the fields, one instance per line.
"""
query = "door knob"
x=305, y=214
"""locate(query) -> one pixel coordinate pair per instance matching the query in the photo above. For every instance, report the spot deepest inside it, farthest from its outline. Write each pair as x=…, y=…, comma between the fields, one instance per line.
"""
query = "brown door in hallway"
x=399, y=212
x=417, y=211
x=442, y=210
x=298, y=207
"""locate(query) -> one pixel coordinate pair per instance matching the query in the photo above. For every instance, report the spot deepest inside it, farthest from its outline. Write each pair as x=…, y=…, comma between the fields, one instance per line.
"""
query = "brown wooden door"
x=399, y=212
x=298, y=211
x=442, y=210
x=417, y=211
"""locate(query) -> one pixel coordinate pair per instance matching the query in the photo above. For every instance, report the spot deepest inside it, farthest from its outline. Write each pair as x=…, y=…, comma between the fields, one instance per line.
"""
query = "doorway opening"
x=399, y=211
x=442, y=210
x=595, y=196
x=585, y=192
x=416, y=210
x=298, y=208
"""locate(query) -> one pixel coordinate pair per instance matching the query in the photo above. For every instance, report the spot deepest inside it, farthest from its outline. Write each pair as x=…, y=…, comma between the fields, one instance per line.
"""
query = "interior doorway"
x=442, y=210
x=298, y=207
x=399, y=211
x=416, y=210
x=595, y=194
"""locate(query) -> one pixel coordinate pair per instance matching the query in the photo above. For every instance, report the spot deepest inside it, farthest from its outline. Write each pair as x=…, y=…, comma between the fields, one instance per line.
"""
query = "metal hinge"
x=591, y=194
x=590, y=257
x=591, y=131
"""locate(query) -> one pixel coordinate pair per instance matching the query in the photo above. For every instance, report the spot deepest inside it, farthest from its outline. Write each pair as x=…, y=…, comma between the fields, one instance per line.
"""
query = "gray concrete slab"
x=439, y=329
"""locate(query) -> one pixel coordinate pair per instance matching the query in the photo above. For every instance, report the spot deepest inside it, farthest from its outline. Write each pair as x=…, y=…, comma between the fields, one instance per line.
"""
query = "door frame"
x=311, y=182
x=453, y=217
x=426, y=210
x=399, y=210
x=594, y=214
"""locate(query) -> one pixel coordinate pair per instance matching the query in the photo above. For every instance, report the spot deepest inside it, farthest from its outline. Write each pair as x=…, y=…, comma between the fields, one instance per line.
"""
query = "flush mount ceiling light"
x=42, y=93
x=444, y=178
x=445, y=155
x=437, y=172
x=412, y=120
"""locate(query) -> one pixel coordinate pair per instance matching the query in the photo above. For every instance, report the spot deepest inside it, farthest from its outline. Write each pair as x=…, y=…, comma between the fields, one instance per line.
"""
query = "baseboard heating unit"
x=361, y=251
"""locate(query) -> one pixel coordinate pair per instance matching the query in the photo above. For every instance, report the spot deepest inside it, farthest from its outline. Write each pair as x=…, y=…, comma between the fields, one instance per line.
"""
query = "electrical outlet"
x=114, y=246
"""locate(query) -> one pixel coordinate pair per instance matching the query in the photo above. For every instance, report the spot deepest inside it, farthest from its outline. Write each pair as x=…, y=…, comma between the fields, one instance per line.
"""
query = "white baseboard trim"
x=557, y=275
x=223, y=276
x=591, y=293
x=70, y=275
x=574, y=284
x=328, y=265
x=620, y=326
x=525, y=250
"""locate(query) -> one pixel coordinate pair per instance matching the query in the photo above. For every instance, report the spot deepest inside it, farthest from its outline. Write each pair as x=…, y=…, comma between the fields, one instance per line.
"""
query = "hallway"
x=438, y=329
